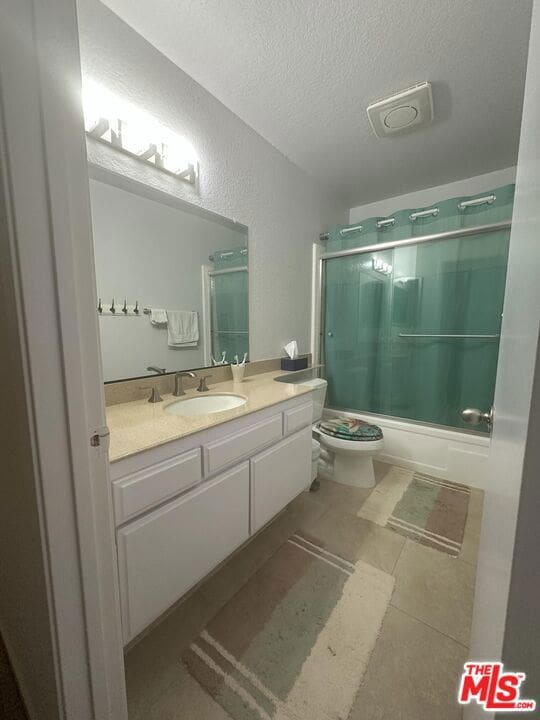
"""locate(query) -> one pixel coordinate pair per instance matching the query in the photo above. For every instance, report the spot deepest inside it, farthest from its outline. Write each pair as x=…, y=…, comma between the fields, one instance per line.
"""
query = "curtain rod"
x=447, y=235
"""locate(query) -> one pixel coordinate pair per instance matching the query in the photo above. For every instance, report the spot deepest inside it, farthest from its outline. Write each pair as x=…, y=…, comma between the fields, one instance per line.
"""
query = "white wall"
x=153, y=253
x=423, y=198
x=242, y=176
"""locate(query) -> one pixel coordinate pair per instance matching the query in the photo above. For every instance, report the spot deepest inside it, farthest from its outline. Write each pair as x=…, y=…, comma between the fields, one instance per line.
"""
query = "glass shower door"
x=357, y=295
x=413, y=332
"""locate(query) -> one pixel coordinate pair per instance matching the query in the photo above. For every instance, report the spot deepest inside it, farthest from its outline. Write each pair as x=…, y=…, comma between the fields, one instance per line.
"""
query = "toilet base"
x=354, y=470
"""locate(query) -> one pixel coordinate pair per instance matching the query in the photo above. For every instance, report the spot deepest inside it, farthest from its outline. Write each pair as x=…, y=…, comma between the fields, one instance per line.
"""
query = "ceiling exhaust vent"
x=407, y=109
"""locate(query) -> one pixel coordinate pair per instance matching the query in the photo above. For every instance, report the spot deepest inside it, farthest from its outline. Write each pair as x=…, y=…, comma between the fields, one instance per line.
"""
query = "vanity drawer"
x=223, y=452
x=164, y=553
x=140, y=491
x=297, y=418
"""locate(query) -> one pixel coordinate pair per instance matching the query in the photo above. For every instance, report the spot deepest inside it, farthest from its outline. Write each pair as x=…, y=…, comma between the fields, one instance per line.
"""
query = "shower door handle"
x=473, y=416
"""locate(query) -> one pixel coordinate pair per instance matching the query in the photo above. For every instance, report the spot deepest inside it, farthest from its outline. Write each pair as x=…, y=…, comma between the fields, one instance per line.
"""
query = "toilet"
x=350, y=443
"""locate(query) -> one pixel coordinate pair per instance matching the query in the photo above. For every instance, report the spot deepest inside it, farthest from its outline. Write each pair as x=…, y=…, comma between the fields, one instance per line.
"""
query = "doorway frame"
x=50, y=253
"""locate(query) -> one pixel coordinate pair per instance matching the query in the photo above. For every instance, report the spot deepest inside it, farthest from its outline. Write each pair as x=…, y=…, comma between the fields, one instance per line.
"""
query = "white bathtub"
x=449, y=454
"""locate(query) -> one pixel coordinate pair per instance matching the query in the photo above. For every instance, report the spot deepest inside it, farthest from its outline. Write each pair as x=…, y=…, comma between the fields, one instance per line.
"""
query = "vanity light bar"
x=486, y=200
x=109, y=132
x=380, y=266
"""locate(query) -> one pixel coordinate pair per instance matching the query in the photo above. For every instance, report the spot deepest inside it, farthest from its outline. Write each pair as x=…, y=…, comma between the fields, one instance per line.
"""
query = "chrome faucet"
x=158, y=370
x=178, y=389
x=203, y=387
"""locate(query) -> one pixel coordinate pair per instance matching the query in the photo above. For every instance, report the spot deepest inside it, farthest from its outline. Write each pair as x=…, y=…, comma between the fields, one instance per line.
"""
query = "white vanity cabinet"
x=168, y=550
x=278, y=475
x=181, y=508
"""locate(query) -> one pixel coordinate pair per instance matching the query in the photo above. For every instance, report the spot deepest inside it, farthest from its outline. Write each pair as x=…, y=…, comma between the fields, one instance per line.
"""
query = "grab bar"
x=435, y=335
x=387, y=222
x=486, y=200
x=346, y=231
x=423, y=213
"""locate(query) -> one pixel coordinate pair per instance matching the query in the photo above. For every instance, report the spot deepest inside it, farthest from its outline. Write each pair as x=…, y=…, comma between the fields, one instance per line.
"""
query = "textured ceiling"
x=301, y=73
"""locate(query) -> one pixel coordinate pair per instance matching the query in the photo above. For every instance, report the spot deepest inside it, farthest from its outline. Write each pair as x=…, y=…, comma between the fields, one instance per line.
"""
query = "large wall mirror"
x=178, y=277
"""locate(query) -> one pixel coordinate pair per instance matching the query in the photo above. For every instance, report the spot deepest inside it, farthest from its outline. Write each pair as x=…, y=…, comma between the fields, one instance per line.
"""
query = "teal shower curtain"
x=384, y=312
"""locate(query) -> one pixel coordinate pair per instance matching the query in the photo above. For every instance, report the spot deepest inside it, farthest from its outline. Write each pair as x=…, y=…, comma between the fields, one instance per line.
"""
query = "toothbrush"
x=236, y=360
x=245, y=358
x=223, y=356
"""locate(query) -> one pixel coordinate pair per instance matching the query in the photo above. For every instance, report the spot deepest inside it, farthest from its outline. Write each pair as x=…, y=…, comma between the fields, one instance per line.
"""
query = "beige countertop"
x=139, y=425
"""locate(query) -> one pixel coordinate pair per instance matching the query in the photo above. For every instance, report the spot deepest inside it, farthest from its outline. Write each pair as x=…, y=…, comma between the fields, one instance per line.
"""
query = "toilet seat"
x=350, y=429
x=346, y=447
x=352, y=443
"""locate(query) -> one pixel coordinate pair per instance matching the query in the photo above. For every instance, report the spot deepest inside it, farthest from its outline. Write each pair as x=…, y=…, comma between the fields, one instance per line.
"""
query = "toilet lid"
x=346, y=428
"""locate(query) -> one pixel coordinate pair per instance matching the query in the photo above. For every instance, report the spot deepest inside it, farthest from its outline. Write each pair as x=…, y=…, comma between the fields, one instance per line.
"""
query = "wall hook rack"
x=126, y=310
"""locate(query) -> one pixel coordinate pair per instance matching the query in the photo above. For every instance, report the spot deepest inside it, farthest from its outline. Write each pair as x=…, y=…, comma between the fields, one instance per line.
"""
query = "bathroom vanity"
x=191, y=481
x=183, y=505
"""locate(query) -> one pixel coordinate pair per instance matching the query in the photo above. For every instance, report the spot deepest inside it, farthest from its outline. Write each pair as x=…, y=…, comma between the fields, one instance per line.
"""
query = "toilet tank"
x=319, y=395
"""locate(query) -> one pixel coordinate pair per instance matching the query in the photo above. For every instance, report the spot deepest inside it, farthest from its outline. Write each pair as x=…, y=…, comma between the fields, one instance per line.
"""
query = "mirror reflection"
x=172, y=283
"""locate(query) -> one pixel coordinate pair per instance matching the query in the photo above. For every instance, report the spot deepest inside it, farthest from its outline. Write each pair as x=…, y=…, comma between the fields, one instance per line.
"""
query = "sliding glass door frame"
x=319, y=268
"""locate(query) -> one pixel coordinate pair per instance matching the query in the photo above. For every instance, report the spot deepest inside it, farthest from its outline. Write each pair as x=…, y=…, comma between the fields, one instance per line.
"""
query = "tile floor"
x=414, y=668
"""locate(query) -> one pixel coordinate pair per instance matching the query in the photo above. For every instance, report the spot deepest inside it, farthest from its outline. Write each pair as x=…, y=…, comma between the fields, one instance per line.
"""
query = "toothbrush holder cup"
x=238, y=373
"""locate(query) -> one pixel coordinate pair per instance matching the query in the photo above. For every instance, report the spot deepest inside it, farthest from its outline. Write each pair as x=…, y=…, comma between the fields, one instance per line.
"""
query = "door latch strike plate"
x=100, y=437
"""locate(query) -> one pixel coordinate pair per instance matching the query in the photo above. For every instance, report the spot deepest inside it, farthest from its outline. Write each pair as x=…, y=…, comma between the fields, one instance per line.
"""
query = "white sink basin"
x=205, y=404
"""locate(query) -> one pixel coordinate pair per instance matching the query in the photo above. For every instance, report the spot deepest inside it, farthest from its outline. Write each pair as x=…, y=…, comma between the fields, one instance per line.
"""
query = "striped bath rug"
x=294, y=642
x=423, y=508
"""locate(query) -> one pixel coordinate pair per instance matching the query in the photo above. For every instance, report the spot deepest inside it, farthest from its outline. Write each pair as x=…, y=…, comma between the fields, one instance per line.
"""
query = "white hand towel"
x=158, y=316
x=183, y=328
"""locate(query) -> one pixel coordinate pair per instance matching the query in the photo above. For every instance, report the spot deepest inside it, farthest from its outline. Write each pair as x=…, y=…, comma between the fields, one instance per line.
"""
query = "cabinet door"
x=297, y=418
x=278, y=475
x=163, y=554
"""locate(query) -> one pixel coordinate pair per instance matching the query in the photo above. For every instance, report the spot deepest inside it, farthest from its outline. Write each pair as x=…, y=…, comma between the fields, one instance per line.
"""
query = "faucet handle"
x=155, y=397
x=203, y=387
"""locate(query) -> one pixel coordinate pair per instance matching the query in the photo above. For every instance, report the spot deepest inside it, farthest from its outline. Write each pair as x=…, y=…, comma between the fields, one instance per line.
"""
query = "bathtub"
x=455, y=455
